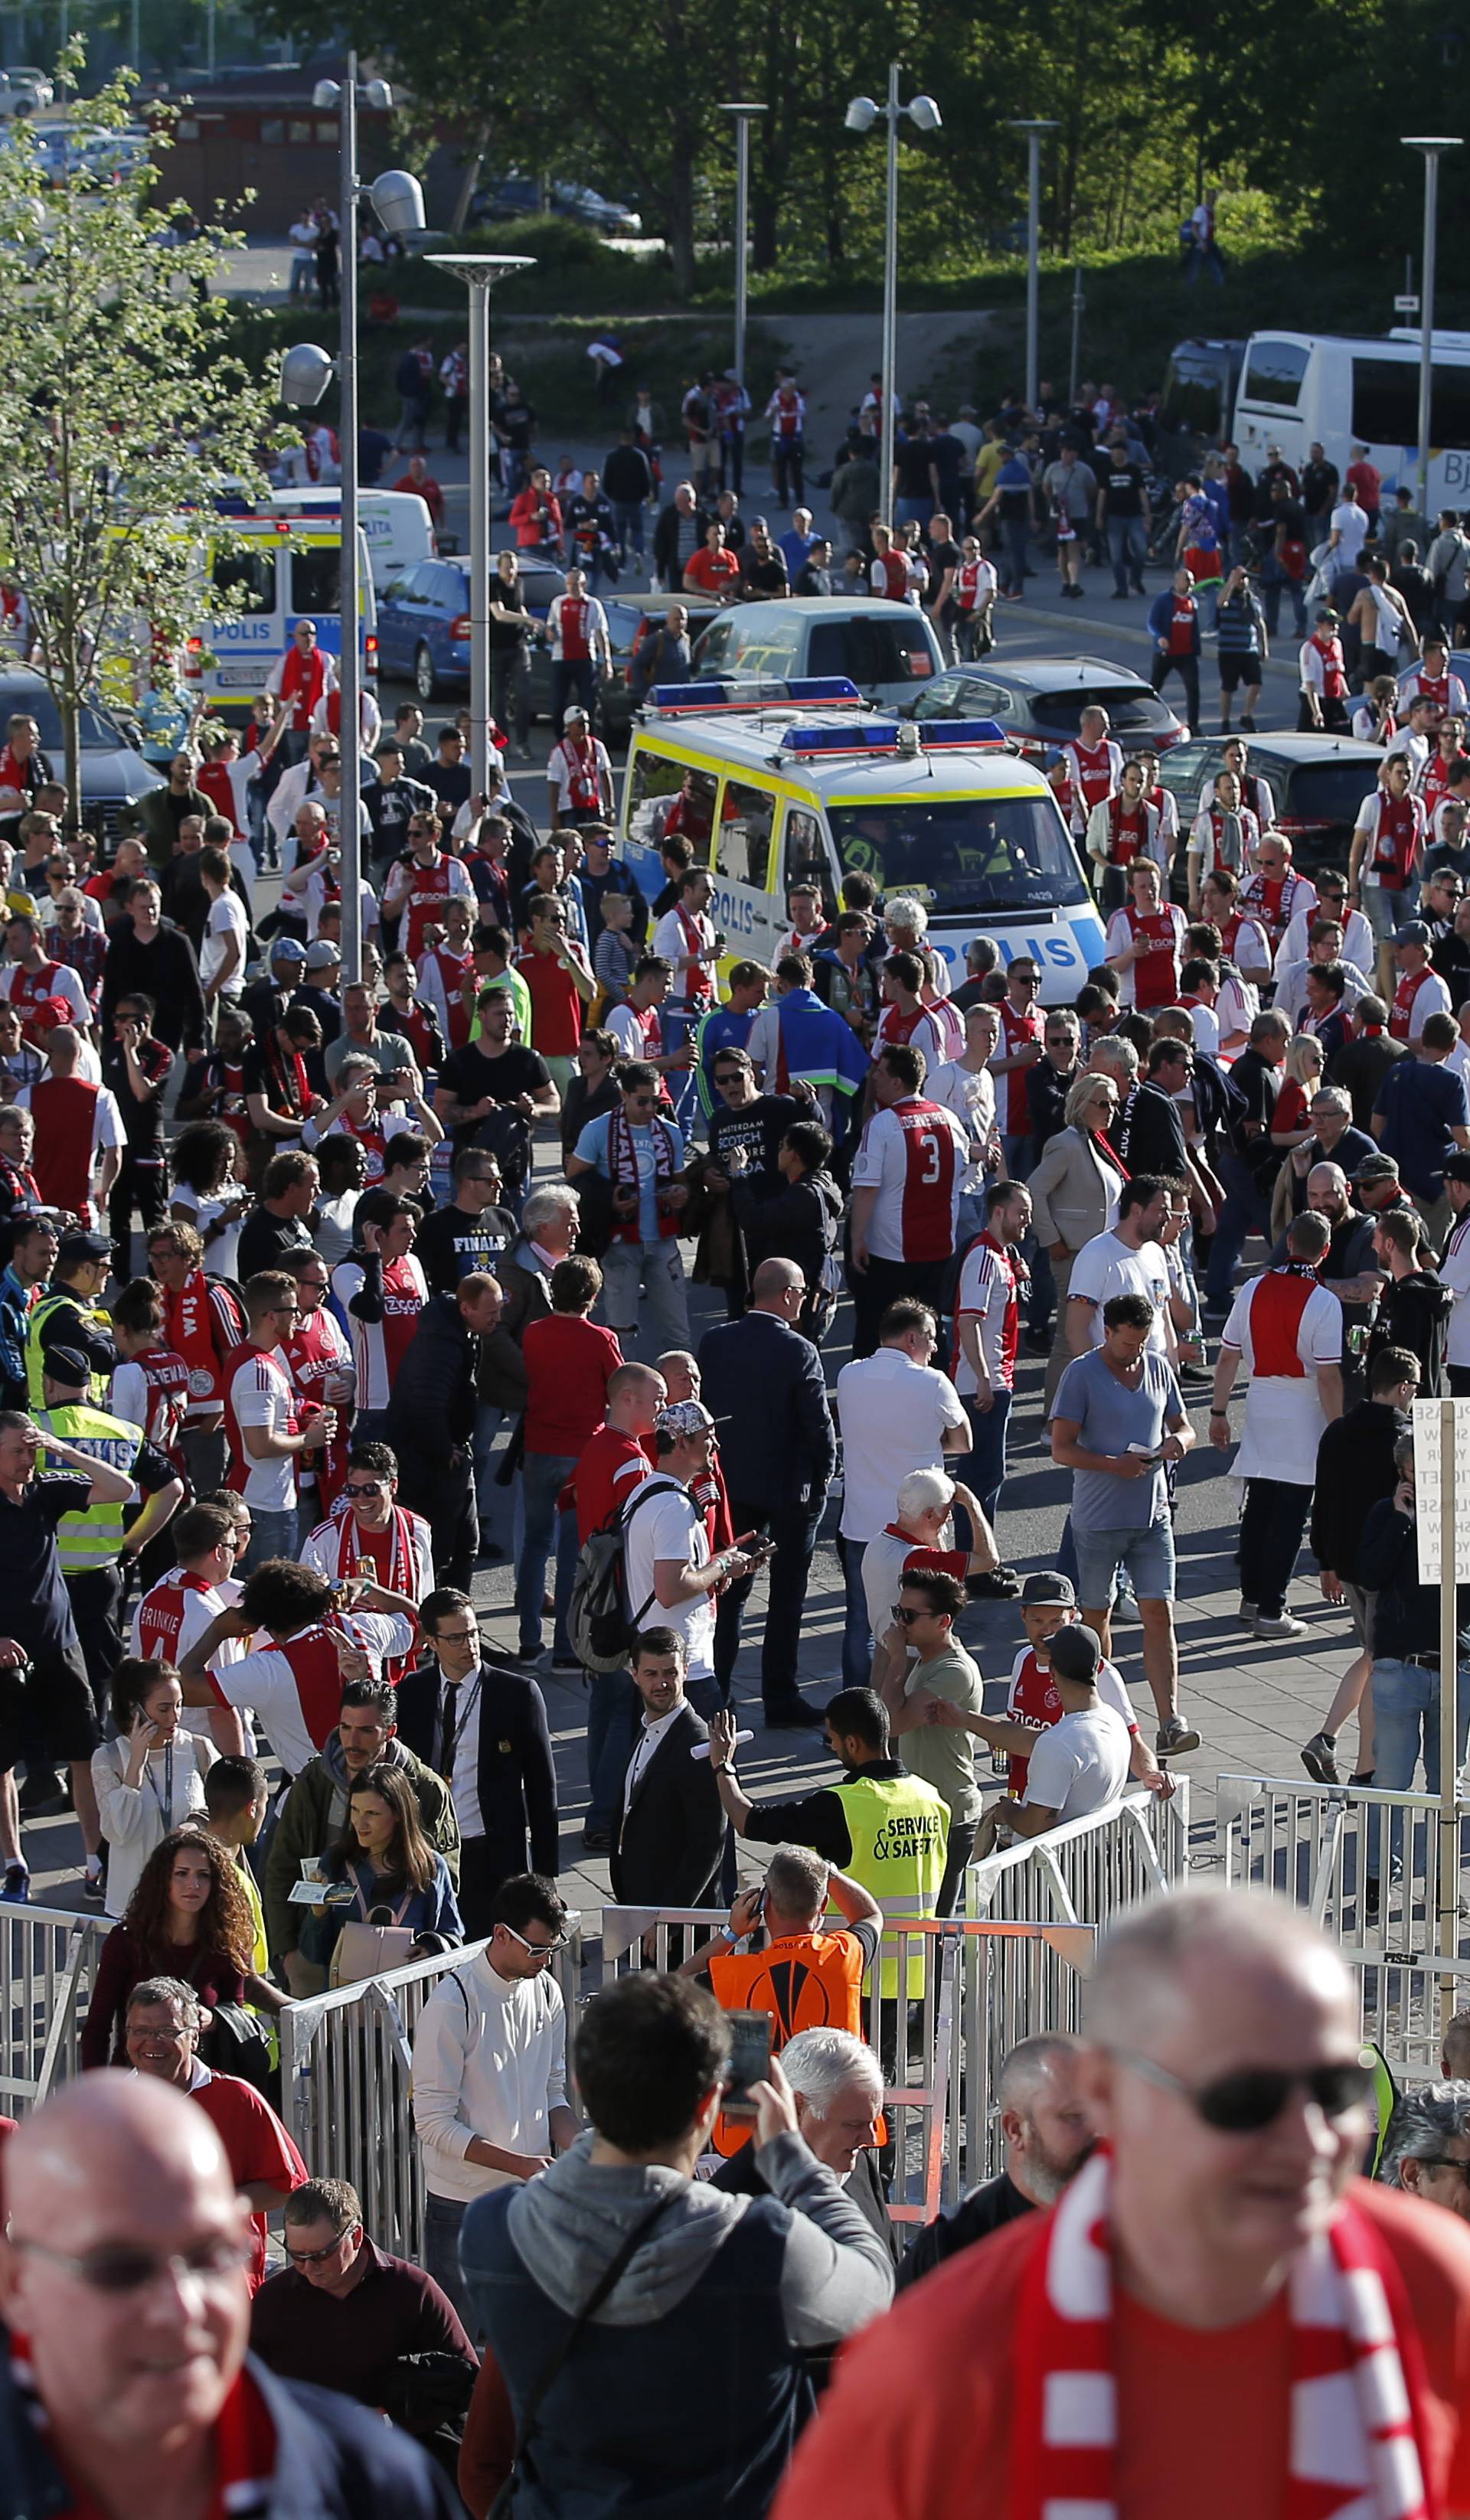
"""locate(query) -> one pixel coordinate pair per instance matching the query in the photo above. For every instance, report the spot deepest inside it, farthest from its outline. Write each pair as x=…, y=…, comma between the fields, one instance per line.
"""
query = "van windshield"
x=870, y=648
x=962, y=854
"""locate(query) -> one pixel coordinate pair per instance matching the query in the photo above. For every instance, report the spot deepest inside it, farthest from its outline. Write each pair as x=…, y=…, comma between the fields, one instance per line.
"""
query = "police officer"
x=70, y=1315
x=96, y=1545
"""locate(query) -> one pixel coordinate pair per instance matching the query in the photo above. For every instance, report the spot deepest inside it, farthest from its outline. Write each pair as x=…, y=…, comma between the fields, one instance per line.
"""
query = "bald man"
x=778, y=1451
x=1181, y=2333
x=123, y=2271
x=1048, y=2139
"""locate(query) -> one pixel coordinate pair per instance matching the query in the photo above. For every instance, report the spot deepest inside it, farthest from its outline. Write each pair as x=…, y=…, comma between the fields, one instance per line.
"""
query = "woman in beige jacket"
x=1073, y=1193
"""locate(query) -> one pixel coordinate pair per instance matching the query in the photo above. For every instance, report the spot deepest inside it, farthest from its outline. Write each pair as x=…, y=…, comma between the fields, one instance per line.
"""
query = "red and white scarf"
x=1356, y=2374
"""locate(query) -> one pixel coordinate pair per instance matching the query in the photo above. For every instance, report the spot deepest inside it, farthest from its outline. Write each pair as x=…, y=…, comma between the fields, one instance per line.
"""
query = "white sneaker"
x=1248, y=1612
x=1281, y=1631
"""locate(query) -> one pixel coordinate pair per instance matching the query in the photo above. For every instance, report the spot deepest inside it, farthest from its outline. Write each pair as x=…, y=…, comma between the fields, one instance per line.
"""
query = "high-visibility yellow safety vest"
x=899, y=1827
x=94, y=1537
x=35, y=1370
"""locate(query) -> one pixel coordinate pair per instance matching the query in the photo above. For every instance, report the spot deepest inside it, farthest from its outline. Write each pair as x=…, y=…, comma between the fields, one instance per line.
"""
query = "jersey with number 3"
x=914, y=1156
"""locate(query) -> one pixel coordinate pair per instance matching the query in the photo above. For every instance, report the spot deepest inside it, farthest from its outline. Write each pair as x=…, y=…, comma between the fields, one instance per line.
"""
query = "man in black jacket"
x=1248, y=1166
x=481, y=1725
x=144, y=957
x=800, y=1223
x=763, y=1382
x=1415, y=1307
x=1355, y=1473
x=670, y=1830
x=119, y=2172
x=678, y=533
x=1046, y=2141
x=431, y=1419
x=1407, y=1654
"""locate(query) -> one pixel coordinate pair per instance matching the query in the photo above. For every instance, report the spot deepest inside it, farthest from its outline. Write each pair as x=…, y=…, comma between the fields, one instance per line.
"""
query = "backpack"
x=600, y=1621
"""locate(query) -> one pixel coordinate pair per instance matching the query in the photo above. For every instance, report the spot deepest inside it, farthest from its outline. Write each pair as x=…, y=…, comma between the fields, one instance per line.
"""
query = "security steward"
x=886, y=1829
x=96, y=1545
x=71, y=1315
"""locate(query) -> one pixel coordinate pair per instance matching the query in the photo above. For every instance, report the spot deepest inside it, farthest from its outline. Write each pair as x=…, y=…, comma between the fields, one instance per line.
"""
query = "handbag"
x=610, y=2275
x=365, y=1949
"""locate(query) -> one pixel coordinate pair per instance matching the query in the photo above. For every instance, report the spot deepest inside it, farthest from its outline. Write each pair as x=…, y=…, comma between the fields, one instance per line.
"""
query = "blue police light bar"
x=877, y=736
x=960, y=730
x=820, y=690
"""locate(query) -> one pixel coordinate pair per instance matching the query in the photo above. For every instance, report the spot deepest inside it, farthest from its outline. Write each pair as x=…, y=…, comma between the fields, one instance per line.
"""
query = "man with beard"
x=1047, y=2140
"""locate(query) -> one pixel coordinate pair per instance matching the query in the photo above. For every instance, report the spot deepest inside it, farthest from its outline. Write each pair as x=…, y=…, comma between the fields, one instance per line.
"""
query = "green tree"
x=121, y=409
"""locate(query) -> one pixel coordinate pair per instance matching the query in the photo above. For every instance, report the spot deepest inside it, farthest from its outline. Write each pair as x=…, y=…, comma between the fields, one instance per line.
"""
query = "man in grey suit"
x=764, y=1381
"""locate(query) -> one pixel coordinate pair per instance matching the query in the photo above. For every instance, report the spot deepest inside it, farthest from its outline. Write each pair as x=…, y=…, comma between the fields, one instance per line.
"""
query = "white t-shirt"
x=971, y=1097
x=260, y=1395
x=1358, y=940
x=670, y=938
x=222, y=1254
x=1079, y=1764
x=1350, y=524
x=311, y=901
x=63, y=983
x=1284, y=1419
x=892, y=1414
x=226, y=919
x=668, y=1526
x=1455, y=1273
x=1105, y=1267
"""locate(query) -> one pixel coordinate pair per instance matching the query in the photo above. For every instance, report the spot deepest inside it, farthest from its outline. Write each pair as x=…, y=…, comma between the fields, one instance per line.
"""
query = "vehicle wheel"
x=425, y=680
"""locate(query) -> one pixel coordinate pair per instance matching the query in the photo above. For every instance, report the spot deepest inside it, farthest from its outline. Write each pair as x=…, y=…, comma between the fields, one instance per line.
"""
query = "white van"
x=775, y=781
x=1300, y=387
x=290, y=569
x=395, y=524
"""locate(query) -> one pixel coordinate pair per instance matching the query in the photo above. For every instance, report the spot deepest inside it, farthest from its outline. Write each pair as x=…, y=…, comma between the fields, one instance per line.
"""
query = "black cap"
x=66, y=1365
x=77, y=1246
x=1076, y=1653
x=1457, y=1167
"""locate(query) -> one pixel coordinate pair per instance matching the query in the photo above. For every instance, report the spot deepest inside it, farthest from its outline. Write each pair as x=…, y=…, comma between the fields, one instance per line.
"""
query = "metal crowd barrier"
x=1087, y=1870
x=48, y=1958
x=987, y=1983
x=347, y=2075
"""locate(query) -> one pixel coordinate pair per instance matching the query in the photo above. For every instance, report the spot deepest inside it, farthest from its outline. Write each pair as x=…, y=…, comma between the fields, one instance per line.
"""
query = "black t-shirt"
x=449, y=1245
x=263, y=1237
x=513, y=599
x=913, y=461
x=1151, y=1134
x=1123, y=491
x=766, y=576
x=758, y=1130
x=450, y=781
x=942, y=557
x=469, y=1075
x=37, y=1610
x=141, y=1122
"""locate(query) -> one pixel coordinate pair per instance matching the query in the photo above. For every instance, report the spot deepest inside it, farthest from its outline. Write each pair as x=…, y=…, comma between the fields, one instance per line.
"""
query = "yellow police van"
x=773, y=782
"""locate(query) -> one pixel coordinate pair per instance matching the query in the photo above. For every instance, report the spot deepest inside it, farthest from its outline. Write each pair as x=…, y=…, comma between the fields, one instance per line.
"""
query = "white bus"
x=1298, y=387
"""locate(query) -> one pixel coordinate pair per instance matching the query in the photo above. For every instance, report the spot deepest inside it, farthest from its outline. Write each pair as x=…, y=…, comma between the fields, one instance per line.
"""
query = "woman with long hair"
x=386, y=1868
x=206, y=1192
x=188, y=1918
x=1075, y=1190
x=150, y=1777
x=1300, y=1076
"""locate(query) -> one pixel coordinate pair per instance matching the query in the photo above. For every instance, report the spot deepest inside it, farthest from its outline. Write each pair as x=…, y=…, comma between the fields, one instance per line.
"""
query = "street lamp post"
x=744, y=116
x=861, y=115
x=1431, y=150
x=1032, y=131
x=478, y=271
x=398, y=201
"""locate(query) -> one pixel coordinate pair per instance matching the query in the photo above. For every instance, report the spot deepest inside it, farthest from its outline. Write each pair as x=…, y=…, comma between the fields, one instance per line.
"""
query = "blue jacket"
x=765, y=1382
x=335, y=2460
x=434, y=1911
x=14, y=1310
x=1161, y=613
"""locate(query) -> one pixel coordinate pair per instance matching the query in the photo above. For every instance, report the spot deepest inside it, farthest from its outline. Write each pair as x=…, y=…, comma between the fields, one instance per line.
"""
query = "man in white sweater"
x=489, y=2071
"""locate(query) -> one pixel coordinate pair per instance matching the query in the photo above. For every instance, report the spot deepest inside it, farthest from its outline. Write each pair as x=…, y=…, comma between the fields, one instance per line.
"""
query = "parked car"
x=113, y=771
x=1040, y=703
x=520, y=196
x=886, y=648
x=1318, y=782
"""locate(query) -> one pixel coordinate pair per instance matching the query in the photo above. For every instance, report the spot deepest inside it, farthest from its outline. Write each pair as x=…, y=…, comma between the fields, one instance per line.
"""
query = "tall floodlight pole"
x=861, y=115
x=744, y=116
x=1431, y=151
x=1032, y=131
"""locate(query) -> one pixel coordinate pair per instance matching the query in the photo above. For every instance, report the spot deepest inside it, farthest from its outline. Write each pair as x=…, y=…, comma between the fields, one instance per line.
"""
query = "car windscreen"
x=1325, y=792
x=962, y=854
x=1130, y=709
x=99, y=732
x=869, y=647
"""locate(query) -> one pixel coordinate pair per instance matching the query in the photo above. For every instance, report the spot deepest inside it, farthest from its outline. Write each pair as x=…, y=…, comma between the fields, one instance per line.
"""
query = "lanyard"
x=453, y=1733
x=164, y=1800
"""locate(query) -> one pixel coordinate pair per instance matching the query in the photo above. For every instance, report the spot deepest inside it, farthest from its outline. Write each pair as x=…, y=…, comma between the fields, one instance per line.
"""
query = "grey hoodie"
x=571, y=2221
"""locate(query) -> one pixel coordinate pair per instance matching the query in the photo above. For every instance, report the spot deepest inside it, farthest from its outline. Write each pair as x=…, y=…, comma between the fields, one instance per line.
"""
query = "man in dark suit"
x=764, y=1381
x=670, y=1829
x=481, y=1725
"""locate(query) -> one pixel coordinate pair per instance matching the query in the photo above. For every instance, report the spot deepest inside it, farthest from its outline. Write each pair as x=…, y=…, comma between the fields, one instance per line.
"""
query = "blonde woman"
x=1299, y=1078
x=1075, y=1191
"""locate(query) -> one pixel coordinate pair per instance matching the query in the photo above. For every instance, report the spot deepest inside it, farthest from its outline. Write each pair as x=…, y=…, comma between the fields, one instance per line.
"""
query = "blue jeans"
x=627, y=522
x=272, y=1535
x=678, y=1026
x=1407, y=1726
x=909, y=512
x=858, y=1636
x=1128, y=544
x=611, y=1716
x=543, y=1475
x=984, y=1472
x=1015, y=533
x=443, y=2217
x=1245, y=1212
x=1205, y=257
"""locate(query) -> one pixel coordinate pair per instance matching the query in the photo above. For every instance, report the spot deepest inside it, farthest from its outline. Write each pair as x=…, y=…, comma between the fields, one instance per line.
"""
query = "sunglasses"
x=122, y=2268
x=319, y=2257
x=1249, y=2100
x=907, y=1618
x=537, y=1951
x=367, y=1487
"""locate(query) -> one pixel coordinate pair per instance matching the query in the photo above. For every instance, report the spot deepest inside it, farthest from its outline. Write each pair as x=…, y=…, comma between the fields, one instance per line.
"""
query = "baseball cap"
x=79, y=1245
x=1457, y=1167
x=1048, y=1591
x=1413, y=932
x=321, y=955
x=1324, y=612
x=1076, y=1653
x=576, y=711
x=684, y=1417
x=68, y=1364
x=288, y=948
x=1377, y=1168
